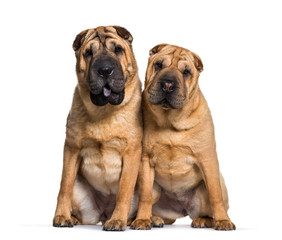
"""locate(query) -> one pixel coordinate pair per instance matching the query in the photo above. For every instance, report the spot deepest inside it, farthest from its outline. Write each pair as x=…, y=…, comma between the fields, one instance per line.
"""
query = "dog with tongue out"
x=104, y=130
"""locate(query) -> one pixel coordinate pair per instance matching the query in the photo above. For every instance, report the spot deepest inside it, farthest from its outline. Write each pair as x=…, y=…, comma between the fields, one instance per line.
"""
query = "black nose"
x=105, y=71
x=167, y=86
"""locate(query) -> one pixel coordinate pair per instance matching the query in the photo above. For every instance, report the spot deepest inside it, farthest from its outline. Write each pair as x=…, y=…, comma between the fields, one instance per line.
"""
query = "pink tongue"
x=107, y=92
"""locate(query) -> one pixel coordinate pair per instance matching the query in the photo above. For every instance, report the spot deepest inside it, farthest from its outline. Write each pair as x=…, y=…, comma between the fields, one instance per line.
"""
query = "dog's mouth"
x=107, y=96
x=157, y=97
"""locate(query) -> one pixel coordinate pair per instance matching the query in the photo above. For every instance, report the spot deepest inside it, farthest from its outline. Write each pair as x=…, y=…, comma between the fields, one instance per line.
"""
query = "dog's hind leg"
x=84, y=207
x=202, y=213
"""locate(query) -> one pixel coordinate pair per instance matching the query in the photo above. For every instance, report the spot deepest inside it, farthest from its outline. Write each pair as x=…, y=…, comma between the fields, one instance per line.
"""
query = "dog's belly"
x=102, y=168
x=175, y=169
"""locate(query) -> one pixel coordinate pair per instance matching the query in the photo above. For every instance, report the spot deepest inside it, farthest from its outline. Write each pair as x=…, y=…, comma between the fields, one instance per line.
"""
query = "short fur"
x=179, y=160
x=102, y=149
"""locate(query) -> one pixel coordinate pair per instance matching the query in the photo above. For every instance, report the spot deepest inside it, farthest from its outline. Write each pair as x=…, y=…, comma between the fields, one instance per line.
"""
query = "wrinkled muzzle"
x=167, y=91
x=106, y=81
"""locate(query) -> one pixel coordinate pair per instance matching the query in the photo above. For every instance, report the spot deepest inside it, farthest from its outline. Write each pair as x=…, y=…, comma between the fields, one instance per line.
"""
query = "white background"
x=240, y=45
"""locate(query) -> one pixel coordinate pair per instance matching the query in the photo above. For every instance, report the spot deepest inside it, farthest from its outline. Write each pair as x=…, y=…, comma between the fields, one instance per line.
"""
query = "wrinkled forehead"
x=174, y=56
x=101, y=35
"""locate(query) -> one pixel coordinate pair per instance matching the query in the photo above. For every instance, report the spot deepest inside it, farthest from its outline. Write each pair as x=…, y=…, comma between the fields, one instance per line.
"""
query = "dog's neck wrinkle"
x=189, y=116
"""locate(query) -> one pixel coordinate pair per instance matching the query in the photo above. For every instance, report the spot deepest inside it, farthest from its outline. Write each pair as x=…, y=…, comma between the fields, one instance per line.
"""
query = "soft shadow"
x=97, y=227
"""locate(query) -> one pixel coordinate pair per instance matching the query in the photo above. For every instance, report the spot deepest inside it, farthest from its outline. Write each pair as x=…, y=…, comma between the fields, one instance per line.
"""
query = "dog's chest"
x=107, y=130
x=175, y=167
x=101, y=165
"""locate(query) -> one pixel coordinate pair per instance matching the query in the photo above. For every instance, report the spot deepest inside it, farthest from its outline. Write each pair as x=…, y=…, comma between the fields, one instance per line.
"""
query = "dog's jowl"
x=179, y=171
x=102, y=149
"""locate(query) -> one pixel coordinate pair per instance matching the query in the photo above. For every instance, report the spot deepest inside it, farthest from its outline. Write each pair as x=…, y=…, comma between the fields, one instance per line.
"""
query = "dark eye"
x=118, y=49
x=186, y=72
x=88, y=53
x=158, y=65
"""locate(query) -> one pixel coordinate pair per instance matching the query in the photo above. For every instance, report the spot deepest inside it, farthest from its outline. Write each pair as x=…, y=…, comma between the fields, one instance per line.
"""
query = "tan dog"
x=179, y=162
x=102, y=149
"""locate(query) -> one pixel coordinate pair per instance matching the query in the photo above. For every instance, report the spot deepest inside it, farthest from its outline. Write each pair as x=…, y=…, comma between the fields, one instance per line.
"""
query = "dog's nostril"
x=105, y=71
x=167, y=86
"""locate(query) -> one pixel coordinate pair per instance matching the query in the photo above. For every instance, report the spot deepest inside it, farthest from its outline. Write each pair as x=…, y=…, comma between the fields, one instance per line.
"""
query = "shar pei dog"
x=102, y=150
x=179, y=173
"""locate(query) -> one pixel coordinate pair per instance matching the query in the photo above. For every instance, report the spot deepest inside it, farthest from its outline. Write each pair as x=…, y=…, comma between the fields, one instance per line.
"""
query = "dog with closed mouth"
x=102, y=150
x=179, y=170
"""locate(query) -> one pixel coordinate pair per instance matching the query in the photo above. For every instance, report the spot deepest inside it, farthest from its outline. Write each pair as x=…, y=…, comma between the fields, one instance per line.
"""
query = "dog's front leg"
x=208, y=164
x=145, y=189
x=131, y=162
x=70, y=167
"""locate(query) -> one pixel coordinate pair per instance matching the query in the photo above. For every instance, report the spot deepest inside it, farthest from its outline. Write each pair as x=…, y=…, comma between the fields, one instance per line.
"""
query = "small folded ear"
x=124, y=33
x=198, y=62
x=157, y=48
x=79, y=40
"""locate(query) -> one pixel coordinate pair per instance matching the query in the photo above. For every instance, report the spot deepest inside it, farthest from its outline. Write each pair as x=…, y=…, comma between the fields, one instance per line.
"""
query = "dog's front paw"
x=62, y=221
x=224, y=225
x=141, y=224
x=115, y=225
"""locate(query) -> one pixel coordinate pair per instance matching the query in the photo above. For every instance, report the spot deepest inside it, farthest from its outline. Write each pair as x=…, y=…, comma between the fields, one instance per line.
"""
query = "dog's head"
x=172, y=76
x=105, y=62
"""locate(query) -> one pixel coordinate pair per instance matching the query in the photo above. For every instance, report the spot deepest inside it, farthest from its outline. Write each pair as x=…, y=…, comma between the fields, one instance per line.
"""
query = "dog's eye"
x=186, y=72
x=158, y=65
x=118, y=49
x=88, y=53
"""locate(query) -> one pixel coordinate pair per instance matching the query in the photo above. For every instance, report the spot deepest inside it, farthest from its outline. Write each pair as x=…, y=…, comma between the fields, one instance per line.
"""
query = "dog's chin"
x=166, y=105
x=112, y=98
